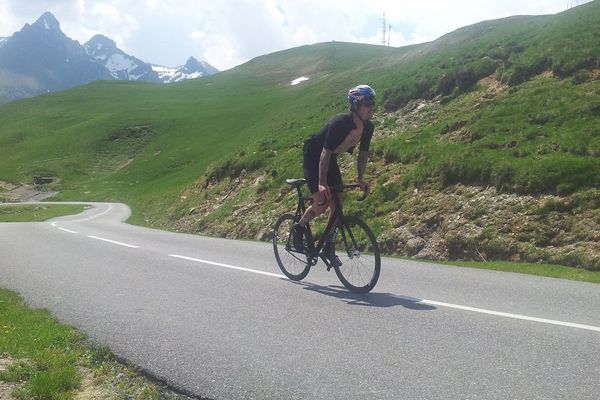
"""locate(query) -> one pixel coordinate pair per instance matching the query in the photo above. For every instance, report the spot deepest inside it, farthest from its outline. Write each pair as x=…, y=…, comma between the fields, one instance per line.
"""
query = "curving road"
x=215, y=318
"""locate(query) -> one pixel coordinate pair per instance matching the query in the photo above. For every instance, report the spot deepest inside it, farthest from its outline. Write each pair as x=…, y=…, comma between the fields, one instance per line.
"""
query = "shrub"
x=587, y=199
x=554, y=204
x=460, y=247
x=398, y=96
x=390, y=191
x=453, y=126
x=594, y=108
x=580, y=77
x=498, y=248
x=485, y=66
x=446, y=84
x=577, y=259
x=522, y=70
x=465, y=79
x=503, y=177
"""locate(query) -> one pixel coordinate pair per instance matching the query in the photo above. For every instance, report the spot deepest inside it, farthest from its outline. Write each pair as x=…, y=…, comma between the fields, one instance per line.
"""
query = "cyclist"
x=339, y=135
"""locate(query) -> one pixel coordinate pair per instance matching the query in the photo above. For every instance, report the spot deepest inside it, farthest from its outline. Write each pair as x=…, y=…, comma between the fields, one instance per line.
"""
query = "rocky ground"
x=477, y=223
x=460, y=222
x=18, y=193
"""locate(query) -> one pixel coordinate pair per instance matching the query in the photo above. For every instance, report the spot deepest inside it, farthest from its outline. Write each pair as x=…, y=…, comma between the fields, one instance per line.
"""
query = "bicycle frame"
x=315, y=250
x=348, y=235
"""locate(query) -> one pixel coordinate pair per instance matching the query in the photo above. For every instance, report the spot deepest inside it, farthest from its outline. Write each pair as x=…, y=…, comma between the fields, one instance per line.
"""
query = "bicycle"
x=359, y=260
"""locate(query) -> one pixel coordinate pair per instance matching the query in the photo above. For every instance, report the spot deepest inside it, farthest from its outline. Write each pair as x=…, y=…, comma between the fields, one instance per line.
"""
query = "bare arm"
x=363, y=156
x=324, y=166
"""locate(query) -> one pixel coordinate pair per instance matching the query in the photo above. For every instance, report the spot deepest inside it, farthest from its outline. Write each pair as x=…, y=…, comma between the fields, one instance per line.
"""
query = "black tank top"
x=333, y=134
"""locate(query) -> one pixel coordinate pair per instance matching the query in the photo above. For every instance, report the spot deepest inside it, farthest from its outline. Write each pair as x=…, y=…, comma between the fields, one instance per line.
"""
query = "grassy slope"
x=148, y=144
x=142, y=143
x=534, y=137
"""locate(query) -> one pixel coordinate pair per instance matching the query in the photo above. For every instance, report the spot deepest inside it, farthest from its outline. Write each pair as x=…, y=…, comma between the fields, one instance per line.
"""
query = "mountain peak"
x=200, y=67
x=193, y=63
x=101, y=42
x=48, y=22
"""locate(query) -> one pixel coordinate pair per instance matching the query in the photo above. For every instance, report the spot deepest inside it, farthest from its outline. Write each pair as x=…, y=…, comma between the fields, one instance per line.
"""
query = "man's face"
x=366, y=110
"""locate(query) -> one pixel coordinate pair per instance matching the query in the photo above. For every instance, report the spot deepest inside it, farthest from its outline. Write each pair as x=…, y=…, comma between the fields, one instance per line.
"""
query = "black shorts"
x=311, y=172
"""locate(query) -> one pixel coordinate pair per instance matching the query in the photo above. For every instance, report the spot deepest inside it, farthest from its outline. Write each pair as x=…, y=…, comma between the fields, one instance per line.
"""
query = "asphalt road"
x=216, y=318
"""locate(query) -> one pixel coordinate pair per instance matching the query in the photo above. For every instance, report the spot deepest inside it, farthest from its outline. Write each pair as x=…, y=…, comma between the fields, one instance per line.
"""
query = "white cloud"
x=228, y=32
x=109, y=20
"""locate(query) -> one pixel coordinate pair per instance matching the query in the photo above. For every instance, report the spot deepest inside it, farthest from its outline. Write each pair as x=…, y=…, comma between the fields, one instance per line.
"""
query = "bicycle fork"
x=351, y=247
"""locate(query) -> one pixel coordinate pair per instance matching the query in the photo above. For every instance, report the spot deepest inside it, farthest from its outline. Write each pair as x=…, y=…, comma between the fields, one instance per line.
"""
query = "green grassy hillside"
x=510, y=105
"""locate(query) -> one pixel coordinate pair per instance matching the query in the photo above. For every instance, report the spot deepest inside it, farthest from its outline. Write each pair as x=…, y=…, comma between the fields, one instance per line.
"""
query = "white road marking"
x=114, y=242
x=93, y=216
x=509, y=315
x=254, y=271
x=422, y=301
x=66, y=230
x=55, y=224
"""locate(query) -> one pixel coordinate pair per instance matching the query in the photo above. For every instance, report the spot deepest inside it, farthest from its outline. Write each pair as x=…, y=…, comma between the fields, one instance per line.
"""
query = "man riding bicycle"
x=339, y=135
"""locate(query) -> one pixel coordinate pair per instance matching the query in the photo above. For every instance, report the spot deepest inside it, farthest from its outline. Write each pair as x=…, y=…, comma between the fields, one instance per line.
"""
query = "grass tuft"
x=37, y=213
x=49, y=361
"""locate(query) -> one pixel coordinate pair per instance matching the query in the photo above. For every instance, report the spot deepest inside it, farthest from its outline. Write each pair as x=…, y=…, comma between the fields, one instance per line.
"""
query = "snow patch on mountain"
x=166, y=74
x=171, y=75
x=119, y=62
x=297, y=81
x=120, y=65
x=48, y=22
x=191, y=70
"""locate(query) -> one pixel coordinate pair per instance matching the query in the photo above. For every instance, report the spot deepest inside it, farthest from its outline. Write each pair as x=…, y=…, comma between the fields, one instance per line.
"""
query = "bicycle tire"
x=360, y=267
x=292, y=263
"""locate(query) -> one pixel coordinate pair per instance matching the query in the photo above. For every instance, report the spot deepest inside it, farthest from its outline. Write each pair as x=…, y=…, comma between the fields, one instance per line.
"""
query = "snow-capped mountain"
x=121, y=65
x=191, y=70
x=40, y=58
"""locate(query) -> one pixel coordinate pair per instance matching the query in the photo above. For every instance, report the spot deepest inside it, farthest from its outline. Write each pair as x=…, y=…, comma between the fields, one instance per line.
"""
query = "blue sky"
x=226, y=33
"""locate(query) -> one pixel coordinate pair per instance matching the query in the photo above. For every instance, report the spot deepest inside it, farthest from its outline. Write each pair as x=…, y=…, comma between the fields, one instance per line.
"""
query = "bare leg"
x=312, y=212
x=332, y=208
x=315, y=210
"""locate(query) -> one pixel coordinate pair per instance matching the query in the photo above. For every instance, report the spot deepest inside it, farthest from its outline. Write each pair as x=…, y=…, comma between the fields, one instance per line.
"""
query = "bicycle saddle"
x=296, y=182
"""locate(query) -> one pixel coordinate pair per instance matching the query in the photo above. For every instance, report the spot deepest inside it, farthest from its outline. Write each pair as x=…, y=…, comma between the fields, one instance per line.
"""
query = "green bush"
x=577, y=259
x=580, y=77
x=498, y=249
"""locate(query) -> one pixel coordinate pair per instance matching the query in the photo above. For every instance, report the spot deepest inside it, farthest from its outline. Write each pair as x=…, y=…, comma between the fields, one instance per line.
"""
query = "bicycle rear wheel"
x=357, y=249
x=294, y=264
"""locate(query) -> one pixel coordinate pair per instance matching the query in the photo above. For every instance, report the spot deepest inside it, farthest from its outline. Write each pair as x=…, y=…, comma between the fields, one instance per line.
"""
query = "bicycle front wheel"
x=293, y=263
x=357, y=249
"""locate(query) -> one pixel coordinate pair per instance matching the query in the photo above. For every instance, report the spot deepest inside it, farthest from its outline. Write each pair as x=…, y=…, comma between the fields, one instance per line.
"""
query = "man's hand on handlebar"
x=364, y=187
